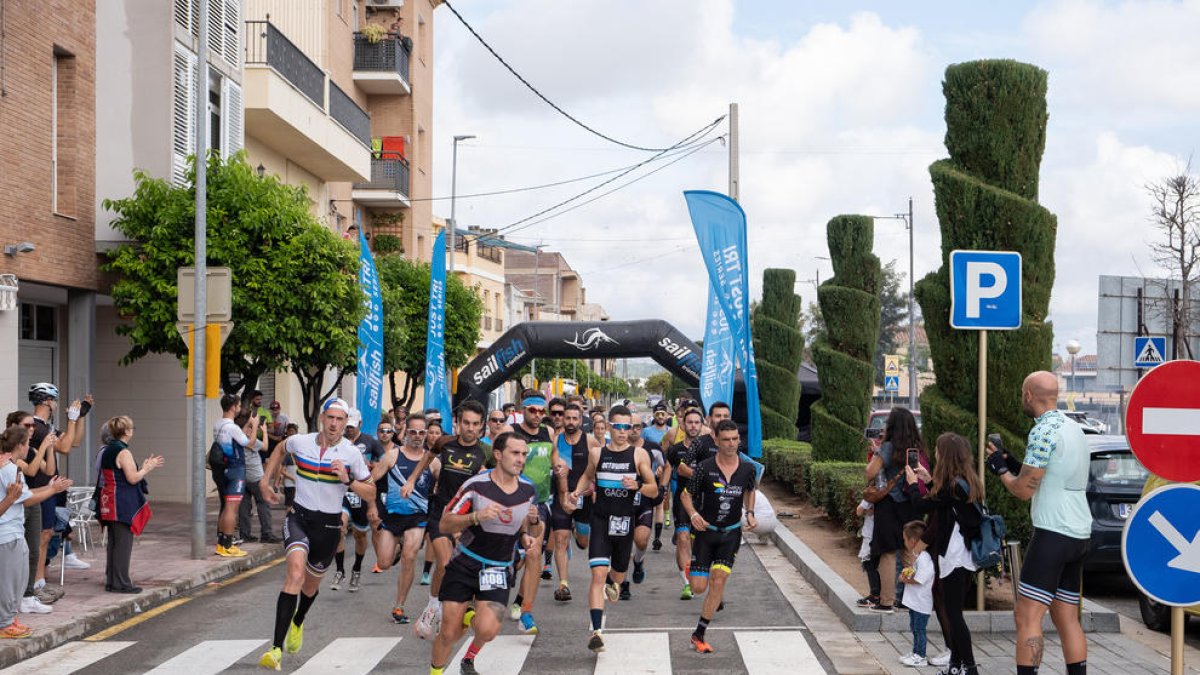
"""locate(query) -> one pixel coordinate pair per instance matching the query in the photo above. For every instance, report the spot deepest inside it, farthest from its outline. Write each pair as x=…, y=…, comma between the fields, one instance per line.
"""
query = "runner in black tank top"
x=575, y=456
x=621, y=474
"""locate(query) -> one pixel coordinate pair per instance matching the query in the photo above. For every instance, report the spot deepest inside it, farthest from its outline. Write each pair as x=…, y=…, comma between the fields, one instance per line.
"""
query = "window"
x=214, y=113
x=64, y=133
x=39, y=322
x=224, y=26
x=233, y=128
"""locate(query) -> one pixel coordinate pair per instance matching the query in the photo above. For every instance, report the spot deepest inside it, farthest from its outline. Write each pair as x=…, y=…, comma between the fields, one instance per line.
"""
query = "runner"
x=719, y=489
x=681, y=457
x=647, y=508
x=327, y=466
x=546, y=471
x=357, y=515
x=496, y=425
x=231, y=480
x=556, y=409
x=659, y=427
x=494, y=512
x=599, y=428
x=573, y=449
x=621, y=475
x=386, y=435
x=406, y=512
x=458, y=459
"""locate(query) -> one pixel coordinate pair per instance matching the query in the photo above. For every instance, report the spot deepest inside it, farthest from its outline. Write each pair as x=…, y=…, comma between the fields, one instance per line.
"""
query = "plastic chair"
x=81, y=514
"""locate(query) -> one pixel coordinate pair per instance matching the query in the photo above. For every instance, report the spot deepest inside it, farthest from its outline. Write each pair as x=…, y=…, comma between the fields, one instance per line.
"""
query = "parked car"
x=1154, y=615
x=878, y=420
x=1114, y=487
x=1090, y=425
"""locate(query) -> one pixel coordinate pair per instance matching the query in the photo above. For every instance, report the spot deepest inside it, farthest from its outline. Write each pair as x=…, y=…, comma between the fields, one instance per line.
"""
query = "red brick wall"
x=34, y=32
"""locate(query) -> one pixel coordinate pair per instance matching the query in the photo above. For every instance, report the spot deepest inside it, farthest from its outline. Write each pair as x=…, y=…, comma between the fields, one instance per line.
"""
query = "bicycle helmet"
x=42, y=391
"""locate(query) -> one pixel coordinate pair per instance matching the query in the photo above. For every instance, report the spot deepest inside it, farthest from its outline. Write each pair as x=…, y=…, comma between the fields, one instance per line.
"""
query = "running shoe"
x=913, y=660
x=425, y=578
x=399, y=616
x=429, y=622
x=354, y=579
x=883, y=609
x=375, y=569
x=338, y=578
x=563, y=594
x=528, y=627
x=273, y=659
x=867, y=601
x=468, y=617
x=657, y=545
x=467, y=667
x=514, y=612
x=231, y=552
x=295, y=639
x=612, y=592
x=73, y=562
x=625, y=594
x=49, y=595
x=700, y=645
x=546, y=574
x=686, y=593
x=237, y=552
x=236, y=541
x=596, y=643
x=639, y=572
x=942, y=659
x=31, y=605
x=15, y=631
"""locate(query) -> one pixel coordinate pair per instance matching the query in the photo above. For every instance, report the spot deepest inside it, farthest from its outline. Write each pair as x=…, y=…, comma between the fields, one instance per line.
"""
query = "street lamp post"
x=453, y=225
x=1073, y=348
x=821, y=257
x=912, y=308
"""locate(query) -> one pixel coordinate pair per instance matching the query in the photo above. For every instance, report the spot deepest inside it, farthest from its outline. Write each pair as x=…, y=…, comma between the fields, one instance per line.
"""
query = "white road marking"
x=635, y=654
x=67, y=659
x=1174, y=421
x=766, y=653
x=348, y=655
x=210, y=656
x=503, y=656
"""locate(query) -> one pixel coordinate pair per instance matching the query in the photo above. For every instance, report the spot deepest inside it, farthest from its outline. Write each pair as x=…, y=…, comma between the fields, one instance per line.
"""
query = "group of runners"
x=500, y=497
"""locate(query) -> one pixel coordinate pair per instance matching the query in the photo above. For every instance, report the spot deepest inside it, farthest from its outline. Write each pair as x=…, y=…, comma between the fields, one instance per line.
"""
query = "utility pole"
x=200, y=324
x=734, y=179
x=453, y=224
x=912, y=318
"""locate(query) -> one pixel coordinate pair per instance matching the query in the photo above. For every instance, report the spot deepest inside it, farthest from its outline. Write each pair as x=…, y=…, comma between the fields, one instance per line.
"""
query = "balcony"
x=381, y=68
x=295, y=110
x=388, y=186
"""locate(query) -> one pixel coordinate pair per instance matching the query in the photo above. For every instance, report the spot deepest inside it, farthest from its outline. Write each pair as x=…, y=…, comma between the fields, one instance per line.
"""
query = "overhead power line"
x=542, y=96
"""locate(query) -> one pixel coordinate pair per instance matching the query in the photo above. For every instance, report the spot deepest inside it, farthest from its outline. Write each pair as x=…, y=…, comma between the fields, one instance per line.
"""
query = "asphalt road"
x=1115, y=591
x=226, y=629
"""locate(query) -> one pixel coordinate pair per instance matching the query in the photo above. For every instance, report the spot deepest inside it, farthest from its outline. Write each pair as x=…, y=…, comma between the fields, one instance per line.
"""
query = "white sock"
x=639, y=554
x=39, y=584
x=683, y=575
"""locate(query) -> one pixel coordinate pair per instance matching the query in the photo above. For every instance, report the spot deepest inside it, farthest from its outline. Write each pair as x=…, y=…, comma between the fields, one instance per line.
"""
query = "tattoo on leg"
x=1036, y=647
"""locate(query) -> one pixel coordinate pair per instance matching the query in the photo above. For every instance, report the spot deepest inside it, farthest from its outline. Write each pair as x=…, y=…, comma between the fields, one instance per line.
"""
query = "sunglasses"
x=621, y=427
x=387, y=431
x=28, y=426
x=557, y=413
x=496, y=420
x=416, y=432
x=536, y=411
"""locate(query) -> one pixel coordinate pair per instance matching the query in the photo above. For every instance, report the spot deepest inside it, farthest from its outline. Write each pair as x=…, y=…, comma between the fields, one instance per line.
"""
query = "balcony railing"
x=266, y=45
x=386, y=55
x=387, y=174
x=346, y=112
x=491, y=253
x=461, y=245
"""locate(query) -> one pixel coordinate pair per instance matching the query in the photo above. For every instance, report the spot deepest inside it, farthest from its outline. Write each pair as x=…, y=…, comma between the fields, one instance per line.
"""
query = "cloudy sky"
x=841, y=112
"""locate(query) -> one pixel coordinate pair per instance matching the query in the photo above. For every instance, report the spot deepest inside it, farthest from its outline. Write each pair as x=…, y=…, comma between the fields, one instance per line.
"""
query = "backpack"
x=987, y=550
x=217, y=459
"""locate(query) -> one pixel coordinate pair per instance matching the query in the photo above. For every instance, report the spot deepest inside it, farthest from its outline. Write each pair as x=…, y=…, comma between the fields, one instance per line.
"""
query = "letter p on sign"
x=985, y=290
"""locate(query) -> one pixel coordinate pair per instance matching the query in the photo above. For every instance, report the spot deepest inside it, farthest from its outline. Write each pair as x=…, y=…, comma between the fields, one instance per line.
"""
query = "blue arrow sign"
x=1149, y=351
x=891, y=383
x=985, y=290
x=1160, y=545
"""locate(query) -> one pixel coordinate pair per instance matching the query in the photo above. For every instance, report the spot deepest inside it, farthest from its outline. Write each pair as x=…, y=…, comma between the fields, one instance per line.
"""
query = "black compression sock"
x=224, y=540
x=306, y=601
x=285, y=607
x=519, y=600
x=1027, y=670
x=428, y=566
x=1077, y=668
x=358, y=558
x=340, y=559
x=701, y=626
x=658, y=530
x=597, y=618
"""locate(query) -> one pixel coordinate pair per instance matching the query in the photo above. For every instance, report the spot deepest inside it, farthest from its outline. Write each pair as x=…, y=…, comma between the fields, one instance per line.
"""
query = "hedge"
x=779, y=350
x=836, y=487
x=986, y=199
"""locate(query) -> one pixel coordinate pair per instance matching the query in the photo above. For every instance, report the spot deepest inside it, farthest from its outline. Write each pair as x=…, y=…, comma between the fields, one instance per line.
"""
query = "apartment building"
x=48, y=277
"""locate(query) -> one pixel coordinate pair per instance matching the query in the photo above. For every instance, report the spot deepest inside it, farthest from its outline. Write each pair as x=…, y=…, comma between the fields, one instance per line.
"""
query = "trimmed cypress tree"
x=779, y=350
x=986, y=198
x=844, y=356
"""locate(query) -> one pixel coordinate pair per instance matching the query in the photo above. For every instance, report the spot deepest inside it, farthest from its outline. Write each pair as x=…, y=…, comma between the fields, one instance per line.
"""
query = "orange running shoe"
x=700, y=645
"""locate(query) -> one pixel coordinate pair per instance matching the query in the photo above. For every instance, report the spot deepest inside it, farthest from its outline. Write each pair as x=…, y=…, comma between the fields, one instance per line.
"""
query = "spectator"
x=124, y=510
x=254, y=487
x=866, y=511
x=278, y=423
x=399, y=415
x=918, y=575
x=511, y=415
x=14, y=553
x=600, y=428
x=254, y=404
x=953, y=487
x=885, y=470
x=288, y=476
x=231, y=480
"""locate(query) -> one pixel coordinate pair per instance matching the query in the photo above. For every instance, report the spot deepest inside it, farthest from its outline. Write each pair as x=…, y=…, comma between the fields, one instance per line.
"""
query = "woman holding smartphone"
x=886, y=469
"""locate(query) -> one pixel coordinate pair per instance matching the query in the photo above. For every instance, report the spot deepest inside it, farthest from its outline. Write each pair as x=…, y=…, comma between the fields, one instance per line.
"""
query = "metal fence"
x=265, y=44
x=347, y=113
x=386, y=55
x=387, y=174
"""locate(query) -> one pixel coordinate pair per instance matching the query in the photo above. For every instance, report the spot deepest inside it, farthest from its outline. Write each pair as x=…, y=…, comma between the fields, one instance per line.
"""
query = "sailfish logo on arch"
x=591, y=339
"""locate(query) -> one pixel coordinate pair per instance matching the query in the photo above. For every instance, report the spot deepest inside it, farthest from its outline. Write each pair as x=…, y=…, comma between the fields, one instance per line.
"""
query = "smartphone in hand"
x=914, y=458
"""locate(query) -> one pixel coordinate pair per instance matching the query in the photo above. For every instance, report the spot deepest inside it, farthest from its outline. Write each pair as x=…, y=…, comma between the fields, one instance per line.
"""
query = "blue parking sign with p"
x=985, y=290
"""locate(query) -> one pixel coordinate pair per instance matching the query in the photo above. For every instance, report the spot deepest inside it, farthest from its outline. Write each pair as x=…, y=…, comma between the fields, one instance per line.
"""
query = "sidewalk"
x=162, y=566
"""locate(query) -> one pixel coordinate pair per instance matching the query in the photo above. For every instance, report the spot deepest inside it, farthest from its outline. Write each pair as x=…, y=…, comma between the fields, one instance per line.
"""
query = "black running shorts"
x=315, y=532
x=610, y=550
x=398, y=524
x=1053, y=567
x=714, y=550
x=461, y=582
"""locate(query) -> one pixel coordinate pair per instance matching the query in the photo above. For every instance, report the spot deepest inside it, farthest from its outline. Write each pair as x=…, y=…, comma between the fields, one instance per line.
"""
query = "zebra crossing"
x=762, y=652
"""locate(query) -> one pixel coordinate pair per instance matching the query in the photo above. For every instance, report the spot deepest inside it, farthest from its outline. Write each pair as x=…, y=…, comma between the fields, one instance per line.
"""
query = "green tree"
x=843, y=356
x=296, y=300
x=893, y=316
x=405, y=287
x=779, y=351
x=986, y=197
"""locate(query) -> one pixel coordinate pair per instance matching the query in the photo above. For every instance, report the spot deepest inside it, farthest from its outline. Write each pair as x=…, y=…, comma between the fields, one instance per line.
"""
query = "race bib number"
x=618, y=526
x=493, y=578
x=353, y=500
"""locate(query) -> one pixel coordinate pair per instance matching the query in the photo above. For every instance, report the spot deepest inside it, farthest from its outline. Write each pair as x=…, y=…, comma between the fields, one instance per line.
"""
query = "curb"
x=18, y=650
x=841, y=596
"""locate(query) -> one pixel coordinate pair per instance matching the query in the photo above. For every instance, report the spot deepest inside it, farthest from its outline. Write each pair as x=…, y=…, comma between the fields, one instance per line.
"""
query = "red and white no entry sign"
x=1163, y=421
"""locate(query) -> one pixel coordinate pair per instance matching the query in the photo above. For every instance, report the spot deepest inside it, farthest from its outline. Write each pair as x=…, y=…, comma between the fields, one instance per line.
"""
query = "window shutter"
x=184, y=113
x=187, y=16
x=216, y=27
x=232, y=127
x=232, y=31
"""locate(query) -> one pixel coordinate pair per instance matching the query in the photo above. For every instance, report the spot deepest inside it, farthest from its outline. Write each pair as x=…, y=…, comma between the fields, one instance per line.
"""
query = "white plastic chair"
x=81, y=514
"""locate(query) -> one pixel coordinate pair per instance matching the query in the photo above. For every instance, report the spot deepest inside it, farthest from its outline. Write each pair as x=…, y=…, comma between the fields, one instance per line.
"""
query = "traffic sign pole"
x=1178, y=621
x=983, y=335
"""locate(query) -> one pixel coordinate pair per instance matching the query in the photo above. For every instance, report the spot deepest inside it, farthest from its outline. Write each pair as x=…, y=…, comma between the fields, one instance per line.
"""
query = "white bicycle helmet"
x=41, y=392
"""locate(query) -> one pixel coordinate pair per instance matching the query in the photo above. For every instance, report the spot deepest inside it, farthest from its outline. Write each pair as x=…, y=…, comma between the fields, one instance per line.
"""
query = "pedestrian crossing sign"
x=1149, y=351
x=891, y=364
x=891, y=383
